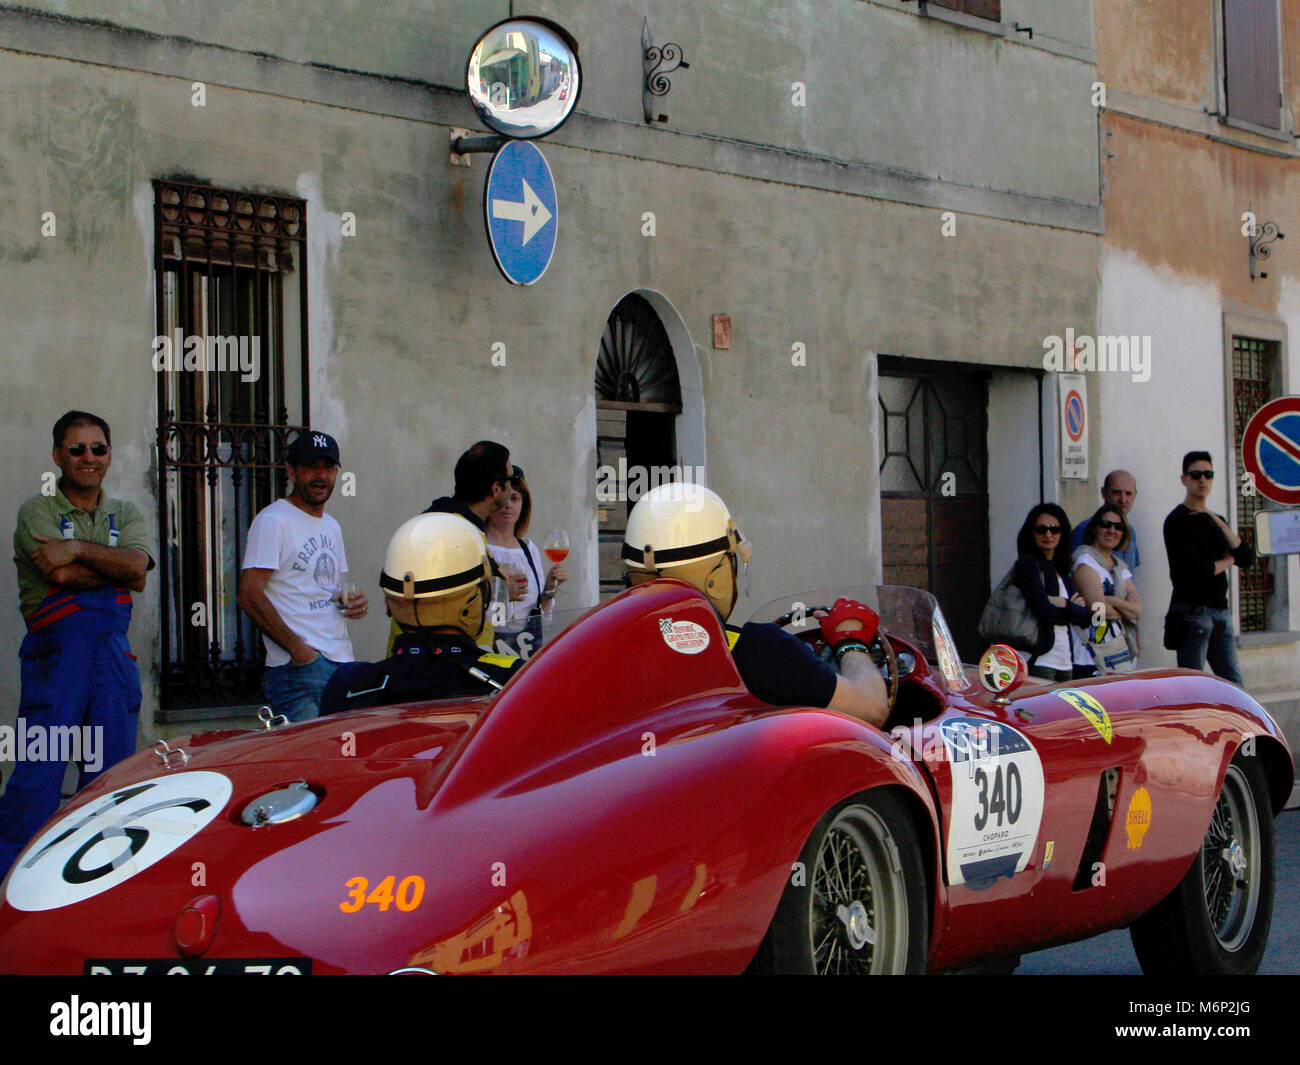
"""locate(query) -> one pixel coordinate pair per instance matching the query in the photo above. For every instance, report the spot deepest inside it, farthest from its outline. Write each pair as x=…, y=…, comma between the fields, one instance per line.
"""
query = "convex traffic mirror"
x=523, y=77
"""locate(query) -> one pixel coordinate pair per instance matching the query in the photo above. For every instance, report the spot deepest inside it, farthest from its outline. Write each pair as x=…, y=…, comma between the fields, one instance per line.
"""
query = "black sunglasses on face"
x=1104, y=524
x=1197, y=475
x=77, y=450
x=1045, y=530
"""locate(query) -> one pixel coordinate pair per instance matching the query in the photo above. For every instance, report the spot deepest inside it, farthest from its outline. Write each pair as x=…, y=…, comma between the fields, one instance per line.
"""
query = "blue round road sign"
x=521, y=211
x=1270, y=449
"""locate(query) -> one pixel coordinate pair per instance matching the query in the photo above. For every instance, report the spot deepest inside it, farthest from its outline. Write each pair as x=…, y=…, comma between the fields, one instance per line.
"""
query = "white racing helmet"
x=437, y=573
x=684, y=530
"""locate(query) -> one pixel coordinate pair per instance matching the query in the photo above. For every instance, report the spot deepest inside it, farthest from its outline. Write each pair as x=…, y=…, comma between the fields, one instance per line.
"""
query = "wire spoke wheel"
x=1216, y=921
x=862, y=907
x=1230, y=862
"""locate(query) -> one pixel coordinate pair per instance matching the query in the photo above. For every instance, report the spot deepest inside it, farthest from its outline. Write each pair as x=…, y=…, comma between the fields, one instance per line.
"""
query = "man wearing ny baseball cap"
x=292, y=582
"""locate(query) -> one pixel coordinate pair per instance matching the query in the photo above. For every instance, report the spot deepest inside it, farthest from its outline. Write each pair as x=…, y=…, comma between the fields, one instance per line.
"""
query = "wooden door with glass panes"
x=934, y=505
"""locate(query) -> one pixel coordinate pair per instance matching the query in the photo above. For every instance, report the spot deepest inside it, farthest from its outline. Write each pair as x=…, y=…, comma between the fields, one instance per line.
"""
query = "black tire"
x=861, y=905
x=1215, y=923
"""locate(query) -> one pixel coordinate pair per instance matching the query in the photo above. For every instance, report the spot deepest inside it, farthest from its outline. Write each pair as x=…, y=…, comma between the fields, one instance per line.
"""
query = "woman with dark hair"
x=1104, y=581
x=1042, y=573
x=522, y=630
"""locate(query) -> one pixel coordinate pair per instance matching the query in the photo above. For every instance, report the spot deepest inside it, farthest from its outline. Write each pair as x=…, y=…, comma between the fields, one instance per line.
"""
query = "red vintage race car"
x=625, y=805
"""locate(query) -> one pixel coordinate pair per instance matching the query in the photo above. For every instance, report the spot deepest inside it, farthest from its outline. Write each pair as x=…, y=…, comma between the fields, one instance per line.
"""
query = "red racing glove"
x=849, y=610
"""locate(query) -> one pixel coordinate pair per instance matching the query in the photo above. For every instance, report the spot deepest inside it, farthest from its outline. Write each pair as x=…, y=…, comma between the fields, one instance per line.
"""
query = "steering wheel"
x=880, y=649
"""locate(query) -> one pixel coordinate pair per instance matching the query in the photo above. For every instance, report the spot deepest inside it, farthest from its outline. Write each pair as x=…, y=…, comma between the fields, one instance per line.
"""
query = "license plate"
x=198, y=967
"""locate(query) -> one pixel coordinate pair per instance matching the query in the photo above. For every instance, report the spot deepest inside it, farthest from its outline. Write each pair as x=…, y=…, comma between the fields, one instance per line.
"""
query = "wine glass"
x=556, y=547
x=346, y=591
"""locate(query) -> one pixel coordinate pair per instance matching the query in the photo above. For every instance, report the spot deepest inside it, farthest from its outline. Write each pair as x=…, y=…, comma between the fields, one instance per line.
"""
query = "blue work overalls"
x=77, y=669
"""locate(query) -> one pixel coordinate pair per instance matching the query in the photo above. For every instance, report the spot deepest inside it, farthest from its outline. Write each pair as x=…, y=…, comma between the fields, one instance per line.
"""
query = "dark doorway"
x=934, y=502
x=638, y=399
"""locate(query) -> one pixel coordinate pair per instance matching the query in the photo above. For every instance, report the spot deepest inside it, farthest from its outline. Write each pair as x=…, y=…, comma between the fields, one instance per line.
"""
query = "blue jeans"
x=1209, y=635
x=295, y=691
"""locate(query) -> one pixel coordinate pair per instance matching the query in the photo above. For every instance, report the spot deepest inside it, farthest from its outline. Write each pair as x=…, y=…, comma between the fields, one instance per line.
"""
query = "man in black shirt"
x=685, y=531
x=482, y=479
x=1201, y=547
x=435, y=582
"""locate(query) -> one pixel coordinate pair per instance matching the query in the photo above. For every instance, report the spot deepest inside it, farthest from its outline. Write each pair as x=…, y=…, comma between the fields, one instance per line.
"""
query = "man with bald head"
x=1119, y=489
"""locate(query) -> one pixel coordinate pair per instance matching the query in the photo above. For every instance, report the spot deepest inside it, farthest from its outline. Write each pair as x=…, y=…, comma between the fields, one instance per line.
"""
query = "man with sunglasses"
x=1201, y=548
x=79, y=556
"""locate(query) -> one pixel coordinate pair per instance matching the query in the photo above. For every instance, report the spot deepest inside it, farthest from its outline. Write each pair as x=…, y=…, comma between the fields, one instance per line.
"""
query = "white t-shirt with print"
x=1083, y=558
x=307, y=556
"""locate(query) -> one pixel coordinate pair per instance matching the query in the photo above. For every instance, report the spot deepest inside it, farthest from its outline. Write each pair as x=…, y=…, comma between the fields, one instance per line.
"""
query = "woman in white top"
x=522, y=631
x=1102, y=577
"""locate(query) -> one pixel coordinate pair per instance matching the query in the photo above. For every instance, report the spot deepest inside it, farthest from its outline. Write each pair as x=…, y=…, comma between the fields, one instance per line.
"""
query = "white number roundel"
x=108, y=841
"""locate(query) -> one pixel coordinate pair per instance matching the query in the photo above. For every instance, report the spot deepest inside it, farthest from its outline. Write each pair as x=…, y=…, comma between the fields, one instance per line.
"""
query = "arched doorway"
x=638, y=407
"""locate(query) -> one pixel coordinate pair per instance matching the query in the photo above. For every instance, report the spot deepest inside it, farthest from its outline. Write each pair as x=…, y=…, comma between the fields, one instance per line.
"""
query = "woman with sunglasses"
x=522, y=631
x=1106, y=583
x=1042, y=573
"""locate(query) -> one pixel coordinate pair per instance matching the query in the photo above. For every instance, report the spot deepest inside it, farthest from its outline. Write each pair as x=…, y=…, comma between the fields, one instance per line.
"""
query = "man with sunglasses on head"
x=1201, y=548
x=79, y=556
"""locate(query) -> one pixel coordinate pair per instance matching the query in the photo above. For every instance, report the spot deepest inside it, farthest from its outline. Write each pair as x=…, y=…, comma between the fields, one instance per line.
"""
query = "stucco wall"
x=404, y=314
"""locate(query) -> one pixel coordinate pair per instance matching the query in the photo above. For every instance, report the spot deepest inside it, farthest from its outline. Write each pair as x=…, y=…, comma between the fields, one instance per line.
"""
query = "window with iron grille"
x=1254, y=382
x=231, y=362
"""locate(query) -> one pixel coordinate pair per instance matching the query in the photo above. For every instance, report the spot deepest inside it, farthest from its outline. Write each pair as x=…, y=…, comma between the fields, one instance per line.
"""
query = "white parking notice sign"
x=1072, y=389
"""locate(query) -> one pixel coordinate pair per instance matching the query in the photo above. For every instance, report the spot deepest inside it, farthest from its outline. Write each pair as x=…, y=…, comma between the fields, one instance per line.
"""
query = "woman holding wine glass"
x=506, y=545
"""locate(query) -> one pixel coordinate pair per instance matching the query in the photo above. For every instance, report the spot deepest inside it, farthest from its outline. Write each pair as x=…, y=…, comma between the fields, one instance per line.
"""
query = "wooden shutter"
x=989, y=9
x=1252, y=62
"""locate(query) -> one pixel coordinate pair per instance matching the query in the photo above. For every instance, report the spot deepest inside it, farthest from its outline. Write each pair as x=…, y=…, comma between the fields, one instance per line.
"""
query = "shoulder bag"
x=1008, y=619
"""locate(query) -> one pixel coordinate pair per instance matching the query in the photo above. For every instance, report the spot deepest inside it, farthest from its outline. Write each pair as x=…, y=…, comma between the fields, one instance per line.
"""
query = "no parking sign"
x=1270, y=449
x=1073, y=391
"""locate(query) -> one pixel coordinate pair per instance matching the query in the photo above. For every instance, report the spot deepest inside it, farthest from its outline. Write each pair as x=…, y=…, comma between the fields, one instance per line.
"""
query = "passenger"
x=436, y=582
x=685, y=531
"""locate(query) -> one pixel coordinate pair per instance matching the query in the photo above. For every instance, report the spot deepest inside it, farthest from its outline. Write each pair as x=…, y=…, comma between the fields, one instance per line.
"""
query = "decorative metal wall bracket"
x=1259, y=241
x=657, y=62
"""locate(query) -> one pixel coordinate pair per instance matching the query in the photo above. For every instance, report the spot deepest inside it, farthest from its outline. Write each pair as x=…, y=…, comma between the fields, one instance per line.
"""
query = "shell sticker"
x=684, y=637
x=1138, y=818
x=106, y=842
x=1091, y=709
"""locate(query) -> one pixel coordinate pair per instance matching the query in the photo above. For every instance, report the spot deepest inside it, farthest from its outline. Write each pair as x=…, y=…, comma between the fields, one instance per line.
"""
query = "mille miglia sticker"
x=684, y=637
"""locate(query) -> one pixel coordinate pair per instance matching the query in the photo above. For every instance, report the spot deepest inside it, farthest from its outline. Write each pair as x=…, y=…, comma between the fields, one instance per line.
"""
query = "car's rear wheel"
x=1216, y=921
x=855, y=903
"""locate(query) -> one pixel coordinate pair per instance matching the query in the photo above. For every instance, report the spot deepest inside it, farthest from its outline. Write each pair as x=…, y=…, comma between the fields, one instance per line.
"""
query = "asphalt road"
x=1112, y=954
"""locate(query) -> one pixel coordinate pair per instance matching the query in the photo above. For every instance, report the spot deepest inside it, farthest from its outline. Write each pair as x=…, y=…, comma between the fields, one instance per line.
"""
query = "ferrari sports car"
x=623, y=804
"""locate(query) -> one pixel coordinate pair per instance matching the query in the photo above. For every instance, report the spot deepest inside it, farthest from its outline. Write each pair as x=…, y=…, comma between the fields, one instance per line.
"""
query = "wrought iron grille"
x=1254, y=376
x=231, y=362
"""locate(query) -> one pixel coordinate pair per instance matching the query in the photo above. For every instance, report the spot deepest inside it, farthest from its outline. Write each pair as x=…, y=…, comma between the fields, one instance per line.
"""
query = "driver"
x=436, y=584
x=685, y=531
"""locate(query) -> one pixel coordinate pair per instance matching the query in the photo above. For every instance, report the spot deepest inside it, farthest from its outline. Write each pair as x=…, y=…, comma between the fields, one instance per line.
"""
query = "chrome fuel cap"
x=277, y=807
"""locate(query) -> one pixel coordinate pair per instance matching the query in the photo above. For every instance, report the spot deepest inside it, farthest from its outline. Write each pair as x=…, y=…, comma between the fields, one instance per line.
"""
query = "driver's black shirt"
x=423, y=665
x=780, y=668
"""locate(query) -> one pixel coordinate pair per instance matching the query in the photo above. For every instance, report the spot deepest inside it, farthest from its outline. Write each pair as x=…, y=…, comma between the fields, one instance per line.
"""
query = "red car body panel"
x=623, y=806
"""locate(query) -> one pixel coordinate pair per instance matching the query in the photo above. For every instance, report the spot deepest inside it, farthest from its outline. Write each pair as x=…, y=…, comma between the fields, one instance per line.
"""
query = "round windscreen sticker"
x=108, y=841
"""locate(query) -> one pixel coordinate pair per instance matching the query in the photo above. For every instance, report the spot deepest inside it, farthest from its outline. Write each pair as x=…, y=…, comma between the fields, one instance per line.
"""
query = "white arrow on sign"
x=531, y=212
